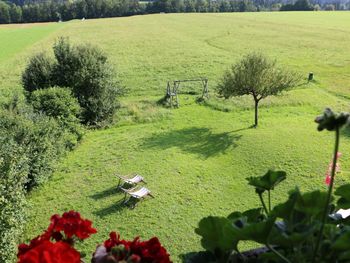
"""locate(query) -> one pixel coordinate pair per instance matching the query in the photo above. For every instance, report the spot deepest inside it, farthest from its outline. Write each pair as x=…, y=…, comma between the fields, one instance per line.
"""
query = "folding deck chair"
x=131, y=181
x=137, y=193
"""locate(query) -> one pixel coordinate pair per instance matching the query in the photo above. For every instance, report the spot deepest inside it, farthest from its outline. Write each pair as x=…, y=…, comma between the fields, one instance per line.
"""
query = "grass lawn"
x=196, y=158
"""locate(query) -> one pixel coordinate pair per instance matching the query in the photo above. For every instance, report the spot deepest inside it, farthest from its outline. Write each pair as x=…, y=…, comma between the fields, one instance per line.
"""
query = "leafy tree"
x=4, y=13
x=37, y=74
x=299, y=5
x=15, y=14
x=329, y=7
x=257, y=76
x=86, y=71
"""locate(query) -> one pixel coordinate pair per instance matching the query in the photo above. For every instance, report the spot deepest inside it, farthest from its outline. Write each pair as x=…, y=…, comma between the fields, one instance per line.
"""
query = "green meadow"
x=195, y=158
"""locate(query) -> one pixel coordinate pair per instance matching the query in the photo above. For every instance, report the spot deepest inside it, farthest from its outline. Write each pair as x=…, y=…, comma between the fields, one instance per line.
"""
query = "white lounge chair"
x=131, y=181
x=137, y=193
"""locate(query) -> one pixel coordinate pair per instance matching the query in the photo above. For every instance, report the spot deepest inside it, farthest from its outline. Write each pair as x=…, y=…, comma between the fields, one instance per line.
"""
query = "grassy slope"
x=17, y=43
x=196, y=158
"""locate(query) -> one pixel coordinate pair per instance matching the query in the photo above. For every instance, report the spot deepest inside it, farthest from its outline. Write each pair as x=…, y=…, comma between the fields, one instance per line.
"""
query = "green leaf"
x=217, y=235
x=258, y=232
x=268, y=181
x=342, y=242
x=344, y=193
x=234, y=215
x=312, y=203
x=285, y=210
x=254, y=215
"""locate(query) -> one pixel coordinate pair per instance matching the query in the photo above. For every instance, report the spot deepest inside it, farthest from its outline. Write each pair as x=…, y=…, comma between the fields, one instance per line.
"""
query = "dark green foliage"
x=217, y=236
x=267, y=182
x=30, y=145
x=37, y=74
x=83, y=69
x=344, y=193
x=15, y=14
x=86, y=71
x=31, y=142
x=41, y=137
x=14, y=168
x=59, y=104
x=299, y=5
x=4, y=13
x=56, y=102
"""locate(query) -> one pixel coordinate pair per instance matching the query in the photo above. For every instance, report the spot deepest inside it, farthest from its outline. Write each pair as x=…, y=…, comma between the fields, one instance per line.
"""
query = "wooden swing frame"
x=172, y=90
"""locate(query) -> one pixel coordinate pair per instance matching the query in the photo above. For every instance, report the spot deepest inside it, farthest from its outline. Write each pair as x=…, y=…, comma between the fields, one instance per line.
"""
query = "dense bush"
x=59, y=103
x=85, y=70
x=32, y=139
x=30, y=145
x=37, y=74
x=13, y=175
x=40, y=136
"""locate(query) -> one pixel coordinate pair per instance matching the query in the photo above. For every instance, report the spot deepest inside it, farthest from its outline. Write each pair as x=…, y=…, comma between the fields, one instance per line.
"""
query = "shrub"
x=40, y=136
x=37, y=74
x=86, y=71
x=13, y=175
x=30, y=144
x=59, y=103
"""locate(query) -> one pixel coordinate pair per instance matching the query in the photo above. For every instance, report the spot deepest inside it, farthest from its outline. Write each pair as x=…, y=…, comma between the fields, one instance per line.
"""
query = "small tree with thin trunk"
x=258, y=76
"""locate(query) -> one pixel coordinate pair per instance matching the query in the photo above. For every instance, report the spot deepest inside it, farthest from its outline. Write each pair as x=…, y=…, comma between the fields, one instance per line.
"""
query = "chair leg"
x=119, y=183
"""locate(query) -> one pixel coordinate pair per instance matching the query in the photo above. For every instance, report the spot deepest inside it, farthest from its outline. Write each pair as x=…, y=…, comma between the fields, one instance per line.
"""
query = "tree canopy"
x=258, y=76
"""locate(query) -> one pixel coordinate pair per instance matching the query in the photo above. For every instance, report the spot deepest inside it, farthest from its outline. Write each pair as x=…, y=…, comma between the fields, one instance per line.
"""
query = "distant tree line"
x=27, y=11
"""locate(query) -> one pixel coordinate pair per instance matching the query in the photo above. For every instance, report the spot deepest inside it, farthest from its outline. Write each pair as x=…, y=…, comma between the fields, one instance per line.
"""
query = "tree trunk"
x=256, y=113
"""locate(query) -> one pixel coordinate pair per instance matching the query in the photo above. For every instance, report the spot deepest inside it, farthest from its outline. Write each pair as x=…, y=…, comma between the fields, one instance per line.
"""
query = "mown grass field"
x=195, y=158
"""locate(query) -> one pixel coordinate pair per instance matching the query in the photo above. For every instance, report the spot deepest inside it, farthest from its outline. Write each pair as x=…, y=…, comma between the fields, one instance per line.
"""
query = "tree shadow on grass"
x=195, y=140
x=105, y=193
x=116, y=207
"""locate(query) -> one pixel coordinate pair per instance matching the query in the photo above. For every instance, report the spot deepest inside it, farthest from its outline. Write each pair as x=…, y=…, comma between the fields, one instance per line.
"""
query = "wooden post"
x=311, y=76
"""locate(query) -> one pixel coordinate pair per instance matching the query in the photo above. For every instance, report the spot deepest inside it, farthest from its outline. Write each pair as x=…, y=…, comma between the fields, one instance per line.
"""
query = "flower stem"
x=263, y=203
x=277, y=253
x=329, y=195
x=269, y=195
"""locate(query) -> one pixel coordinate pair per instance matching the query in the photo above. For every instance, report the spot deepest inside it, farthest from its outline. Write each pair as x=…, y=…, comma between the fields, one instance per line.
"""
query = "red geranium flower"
x=150, y=251
x=71, y=224
x=23, y=248
x=48, y=252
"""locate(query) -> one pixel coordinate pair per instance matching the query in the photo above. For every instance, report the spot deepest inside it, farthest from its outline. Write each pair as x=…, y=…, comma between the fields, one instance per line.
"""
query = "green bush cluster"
x=58, y=103
x=13, y=173
x=83, y=69
x=30, y=145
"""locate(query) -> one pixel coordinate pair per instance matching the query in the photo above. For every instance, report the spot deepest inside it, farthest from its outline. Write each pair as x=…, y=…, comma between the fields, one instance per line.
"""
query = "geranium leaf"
x=258, y=232
x=344, y=193
x=342, y=242
x=311, y=203
x=268, y=181
x=217, y=235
